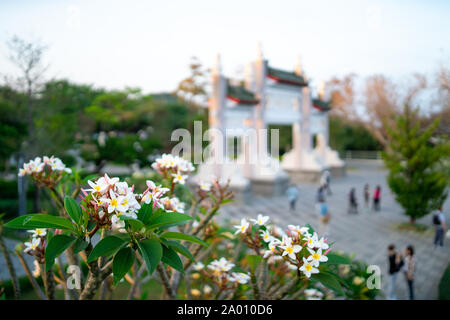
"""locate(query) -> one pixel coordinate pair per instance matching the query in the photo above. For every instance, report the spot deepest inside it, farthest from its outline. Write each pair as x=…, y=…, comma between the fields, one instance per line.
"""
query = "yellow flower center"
x=114, y=202
x=289, y=250
x=243, y=228
x=97, y=188
x=316, y=256
x=308, y=267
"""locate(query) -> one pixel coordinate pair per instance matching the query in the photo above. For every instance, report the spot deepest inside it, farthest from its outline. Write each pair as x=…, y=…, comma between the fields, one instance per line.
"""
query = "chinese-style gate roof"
x=286, y=77
x=240, y=95
x=321, y=105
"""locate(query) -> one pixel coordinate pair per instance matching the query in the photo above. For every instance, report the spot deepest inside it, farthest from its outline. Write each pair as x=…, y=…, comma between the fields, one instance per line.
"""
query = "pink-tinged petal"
x=326, y=252
x=132, y=188
x=84, y=192
x=325, y=241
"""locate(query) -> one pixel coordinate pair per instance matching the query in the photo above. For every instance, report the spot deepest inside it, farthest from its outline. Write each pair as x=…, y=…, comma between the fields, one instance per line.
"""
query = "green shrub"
x=444, y=285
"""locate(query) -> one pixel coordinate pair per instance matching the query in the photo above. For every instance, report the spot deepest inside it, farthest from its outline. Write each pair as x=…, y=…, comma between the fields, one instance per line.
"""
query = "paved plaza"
x=366, y=234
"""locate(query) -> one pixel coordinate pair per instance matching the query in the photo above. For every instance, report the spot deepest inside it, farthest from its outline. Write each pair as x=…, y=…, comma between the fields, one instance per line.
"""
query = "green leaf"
x=311, y=229
x=168, y=218
x=253, y=261
x=151, y=250
x=135, y=224
x=171, y=258
x=73, y=209
x=183, y=236
x=55, y=247
x=328, y=281
x=122, y=263
x=106, y=247
x=178, y=247
x=334, y=258
x=80, y=245
x=145, y=213
x=40, y=220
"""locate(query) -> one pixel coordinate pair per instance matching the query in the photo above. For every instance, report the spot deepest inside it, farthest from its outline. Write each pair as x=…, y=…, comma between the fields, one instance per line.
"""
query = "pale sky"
x=148, y=44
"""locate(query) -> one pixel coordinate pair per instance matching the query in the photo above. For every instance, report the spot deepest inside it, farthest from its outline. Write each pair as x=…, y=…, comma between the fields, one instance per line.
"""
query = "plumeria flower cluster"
x=254, y=241
x=302, y=250
x=46, y=170
x=173, y=167
x=220, y=272
x=109, y=199
x=36, y=245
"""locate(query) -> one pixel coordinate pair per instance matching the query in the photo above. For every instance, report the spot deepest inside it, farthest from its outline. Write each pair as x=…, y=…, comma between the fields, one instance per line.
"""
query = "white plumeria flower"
x=242, y=228
x=198, y=266
x=35, y=242
x=239, y=277
x=308, y=268
x=108, y=181
x=301, y=231
x=311, y=240
x=99, y=186
x=117, y=224
x=290, y=250
x=267, y=237
x=115, y=203
x=38, y=232
x=313, y=294
x=221, y=265
x=205, y=186
x=207, y=289
x=316, y=257
x=156, y=190
x=321, y=244
x=274, y=242
x=261, y=220
x=179, y=178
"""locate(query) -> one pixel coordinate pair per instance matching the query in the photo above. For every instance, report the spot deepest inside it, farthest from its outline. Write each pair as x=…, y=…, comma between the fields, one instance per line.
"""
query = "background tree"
x=418, y=175
x=375, y=104
x=27, y=56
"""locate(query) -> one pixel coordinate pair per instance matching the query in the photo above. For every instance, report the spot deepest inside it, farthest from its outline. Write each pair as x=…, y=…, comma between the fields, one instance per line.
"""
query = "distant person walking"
x=325, y=181
x=377, y=198
x=320, y=195
x=395, y=264
x=292, y=194
x=440, y=227
x=366, y=194
x=409, y=268
x=324, y=217
x=352, y=202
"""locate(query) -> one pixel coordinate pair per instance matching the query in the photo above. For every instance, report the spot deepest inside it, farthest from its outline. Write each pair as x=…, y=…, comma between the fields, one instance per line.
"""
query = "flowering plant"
x=135, y=229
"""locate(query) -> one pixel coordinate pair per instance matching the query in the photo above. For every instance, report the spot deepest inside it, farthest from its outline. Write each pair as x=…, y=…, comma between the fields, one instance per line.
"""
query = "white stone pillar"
x=217, y=119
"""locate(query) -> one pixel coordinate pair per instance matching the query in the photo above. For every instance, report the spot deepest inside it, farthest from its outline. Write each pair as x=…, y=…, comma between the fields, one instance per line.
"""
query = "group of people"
x=353, y=201
x=401, y=262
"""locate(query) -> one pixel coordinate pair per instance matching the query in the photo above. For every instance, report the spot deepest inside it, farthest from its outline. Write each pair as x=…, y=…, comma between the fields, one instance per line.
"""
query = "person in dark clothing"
x=395, y=264
x=377, y=198
x=440, y=226
x=353, y=204
x=366, y=197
